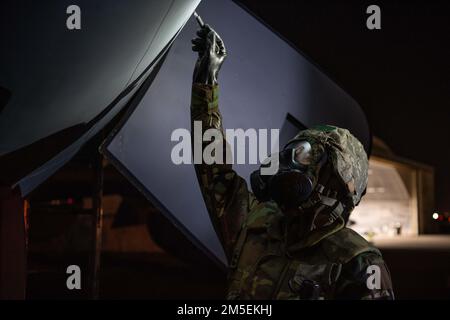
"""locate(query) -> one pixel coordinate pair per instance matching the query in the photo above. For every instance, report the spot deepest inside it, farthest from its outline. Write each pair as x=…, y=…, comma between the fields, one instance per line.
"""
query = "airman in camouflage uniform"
x=277, y=251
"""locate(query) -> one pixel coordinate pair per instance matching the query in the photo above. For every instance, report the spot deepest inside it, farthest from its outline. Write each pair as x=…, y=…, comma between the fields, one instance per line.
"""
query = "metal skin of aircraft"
x=59, y=86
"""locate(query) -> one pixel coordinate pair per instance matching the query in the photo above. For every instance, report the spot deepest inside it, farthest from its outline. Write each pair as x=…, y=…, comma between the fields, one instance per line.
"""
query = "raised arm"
x=225, y=193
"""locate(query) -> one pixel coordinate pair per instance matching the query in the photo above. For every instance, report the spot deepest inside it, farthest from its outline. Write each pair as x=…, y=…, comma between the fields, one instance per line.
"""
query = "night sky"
x=400, y=75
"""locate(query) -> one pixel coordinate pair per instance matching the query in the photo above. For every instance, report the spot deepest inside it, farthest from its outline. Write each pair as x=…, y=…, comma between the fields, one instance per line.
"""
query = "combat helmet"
x=347, y=157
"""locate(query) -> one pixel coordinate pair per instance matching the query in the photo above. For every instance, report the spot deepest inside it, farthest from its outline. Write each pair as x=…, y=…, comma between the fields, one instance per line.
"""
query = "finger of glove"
x=198, y=48
x=203, y=32
x=198, y=41
x=212, y=43
x=221, y=45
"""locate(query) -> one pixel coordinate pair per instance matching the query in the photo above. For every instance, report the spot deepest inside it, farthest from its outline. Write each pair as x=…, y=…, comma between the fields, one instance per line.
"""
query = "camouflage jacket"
x=329, y=263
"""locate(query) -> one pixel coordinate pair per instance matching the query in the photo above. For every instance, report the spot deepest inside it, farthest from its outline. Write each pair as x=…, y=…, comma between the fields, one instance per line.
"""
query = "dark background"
x=400, y=75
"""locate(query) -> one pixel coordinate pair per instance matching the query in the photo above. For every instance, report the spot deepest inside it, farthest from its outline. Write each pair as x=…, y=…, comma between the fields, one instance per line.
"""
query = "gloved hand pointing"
x=211, y=54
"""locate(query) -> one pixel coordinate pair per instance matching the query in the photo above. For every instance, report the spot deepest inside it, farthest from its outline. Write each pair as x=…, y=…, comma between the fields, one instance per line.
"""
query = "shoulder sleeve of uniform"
x=261, y=215
x=345, y=244
x=365, y=277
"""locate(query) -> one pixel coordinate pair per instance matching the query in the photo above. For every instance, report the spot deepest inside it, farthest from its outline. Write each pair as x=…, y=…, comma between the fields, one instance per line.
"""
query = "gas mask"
x=298, y=168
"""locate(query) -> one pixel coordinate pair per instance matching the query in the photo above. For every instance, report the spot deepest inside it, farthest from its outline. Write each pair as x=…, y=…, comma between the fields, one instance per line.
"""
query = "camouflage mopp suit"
x=268, y=259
